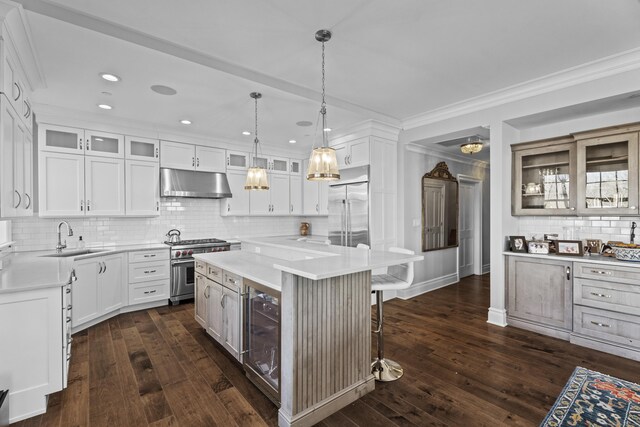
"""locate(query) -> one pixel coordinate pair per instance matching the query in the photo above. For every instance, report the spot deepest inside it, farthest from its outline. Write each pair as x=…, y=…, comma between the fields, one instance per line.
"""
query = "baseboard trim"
x=486, y=268
x=125, y=309
x=497, y=317
x=427, y=286
x=550, y=331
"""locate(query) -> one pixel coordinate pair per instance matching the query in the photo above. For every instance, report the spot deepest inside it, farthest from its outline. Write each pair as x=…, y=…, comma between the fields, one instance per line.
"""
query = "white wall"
x=195, y=218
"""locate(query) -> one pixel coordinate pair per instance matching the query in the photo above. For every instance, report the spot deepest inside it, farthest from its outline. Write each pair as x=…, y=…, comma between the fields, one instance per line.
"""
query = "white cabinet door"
x=137, y=148
x=237, y=160
x=279, y=165
x=84, y=293
x=279, y=192
x=214, y=310
x=359, y=152
x=295, y=195
x=11, y=195
x=104, y=144
x=110, y=283
x=323, y=198
x=231, y=326
x=177, y=156
x=342, y=154
x=201, y=301
x=142, y=191
x=309, y=194
x=61, y=139
x=260, y=200
x=295, y=167
x=28, y=174
x=209, y=159
x=104, y=186
x=61, y=185
x=240, y=202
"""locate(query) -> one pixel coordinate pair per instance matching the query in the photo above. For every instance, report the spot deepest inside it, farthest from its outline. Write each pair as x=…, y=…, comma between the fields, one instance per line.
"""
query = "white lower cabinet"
x=142, y=192
x=35, y=347
x=218, y=309
x=149, y=276
x=99, y=290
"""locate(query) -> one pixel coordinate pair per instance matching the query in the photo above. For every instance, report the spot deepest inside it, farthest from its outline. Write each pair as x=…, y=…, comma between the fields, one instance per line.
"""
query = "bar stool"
x=397, y=277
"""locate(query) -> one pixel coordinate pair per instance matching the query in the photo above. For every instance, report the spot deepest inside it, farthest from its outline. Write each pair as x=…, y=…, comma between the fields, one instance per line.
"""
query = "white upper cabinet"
x=209, y=159
x=142, y=190
x=142, y=149
x=104, y=186
x=323, y=198
x=274, y=201
x=103, y=144
x=238, y=160
x=295, y=195
x=295, y=167
x=276, y=165
x=61, y=184
x=177, y=155
x=353, y=153
x=239, y=203
x=315, y=195
x=60, y=139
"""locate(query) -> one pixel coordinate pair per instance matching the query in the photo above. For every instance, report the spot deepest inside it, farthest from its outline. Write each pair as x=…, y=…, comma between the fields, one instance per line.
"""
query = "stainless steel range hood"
x=183, y=183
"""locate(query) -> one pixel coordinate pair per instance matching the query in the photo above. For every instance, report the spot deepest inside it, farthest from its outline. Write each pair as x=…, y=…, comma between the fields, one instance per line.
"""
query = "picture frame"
x=537, y=247
x=518, y=244
x=569, y=247
x=594, y=246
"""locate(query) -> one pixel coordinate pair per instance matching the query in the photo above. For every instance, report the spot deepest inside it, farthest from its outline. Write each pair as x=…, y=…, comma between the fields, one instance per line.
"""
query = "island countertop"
x=262, y=259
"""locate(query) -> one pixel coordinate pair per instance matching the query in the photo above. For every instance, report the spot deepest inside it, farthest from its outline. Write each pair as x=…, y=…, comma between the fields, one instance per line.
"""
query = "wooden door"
x=104, y=186
x=176, y=155
x=61, y=185
x=467, y=243
x=142, y=188
x=209, y=159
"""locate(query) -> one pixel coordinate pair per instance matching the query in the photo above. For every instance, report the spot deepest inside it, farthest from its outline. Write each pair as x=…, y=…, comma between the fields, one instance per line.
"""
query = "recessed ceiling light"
x=246, y=132
x=185, y=122
x=163, y=90
x=304, y=123
x=292, y=141
x=105, y=106
x=110, y=77
x=327, y=129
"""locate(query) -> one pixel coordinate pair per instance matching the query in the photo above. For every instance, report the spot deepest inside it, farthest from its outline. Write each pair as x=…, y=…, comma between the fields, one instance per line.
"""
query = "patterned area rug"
x=593, y=399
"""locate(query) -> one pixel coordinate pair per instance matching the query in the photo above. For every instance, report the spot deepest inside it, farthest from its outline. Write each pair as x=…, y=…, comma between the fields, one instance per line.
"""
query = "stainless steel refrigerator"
x=349, y=208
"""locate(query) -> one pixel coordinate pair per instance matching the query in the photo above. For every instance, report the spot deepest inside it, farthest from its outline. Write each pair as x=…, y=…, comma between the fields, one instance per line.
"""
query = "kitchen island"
x=324, y=302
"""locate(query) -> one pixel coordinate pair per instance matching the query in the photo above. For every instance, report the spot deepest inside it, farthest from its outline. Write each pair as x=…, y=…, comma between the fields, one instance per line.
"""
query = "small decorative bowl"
x=626, y=254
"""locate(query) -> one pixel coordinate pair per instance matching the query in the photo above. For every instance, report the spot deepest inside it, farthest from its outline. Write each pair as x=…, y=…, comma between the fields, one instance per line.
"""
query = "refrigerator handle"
x=343, y=215
x=348, y=234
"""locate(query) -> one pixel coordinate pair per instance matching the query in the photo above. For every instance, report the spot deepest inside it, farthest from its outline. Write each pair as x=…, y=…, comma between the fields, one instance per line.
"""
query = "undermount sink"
x=79, y=252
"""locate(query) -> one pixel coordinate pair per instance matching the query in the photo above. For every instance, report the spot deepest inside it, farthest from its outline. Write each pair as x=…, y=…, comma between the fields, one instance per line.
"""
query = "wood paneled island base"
x=326, y=346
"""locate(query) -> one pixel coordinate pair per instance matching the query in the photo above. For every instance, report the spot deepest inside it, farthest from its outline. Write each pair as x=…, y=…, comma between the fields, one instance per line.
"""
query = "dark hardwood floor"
x=159, y=368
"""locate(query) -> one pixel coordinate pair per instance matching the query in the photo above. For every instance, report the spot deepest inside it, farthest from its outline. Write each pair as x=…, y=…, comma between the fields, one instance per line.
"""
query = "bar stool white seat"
x=397, y=277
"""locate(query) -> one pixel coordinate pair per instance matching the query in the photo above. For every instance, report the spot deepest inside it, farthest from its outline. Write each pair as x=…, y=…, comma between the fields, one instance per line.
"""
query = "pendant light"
x=472, y=146
x=323, y=163
x=256, y=176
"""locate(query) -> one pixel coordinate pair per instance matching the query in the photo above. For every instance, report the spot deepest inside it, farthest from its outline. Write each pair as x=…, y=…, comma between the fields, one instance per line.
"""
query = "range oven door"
x=182, y=279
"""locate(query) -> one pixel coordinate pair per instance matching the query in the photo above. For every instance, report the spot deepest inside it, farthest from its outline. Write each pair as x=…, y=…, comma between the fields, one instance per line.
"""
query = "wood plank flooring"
x=158, y=368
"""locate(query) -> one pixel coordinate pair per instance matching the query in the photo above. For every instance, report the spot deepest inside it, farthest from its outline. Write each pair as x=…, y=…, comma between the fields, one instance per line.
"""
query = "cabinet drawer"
x=613, y=273
x=149, y=291
x=151, y=255
x=201, y=267
x=214, y=273
x=606, y=325
x=145, y=272
x=619, y=297
x=232, y=281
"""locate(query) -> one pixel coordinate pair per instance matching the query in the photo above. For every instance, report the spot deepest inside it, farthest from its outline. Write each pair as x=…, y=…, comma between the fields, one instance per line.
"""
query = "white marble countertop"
x=262, y=259
x=22, y=271
x=593, y=259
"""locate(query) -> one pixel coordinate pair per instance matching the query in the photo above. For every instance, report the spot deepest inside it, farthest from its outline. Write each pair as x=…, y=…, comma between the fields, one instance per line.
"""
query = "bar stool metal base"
x=386, y=370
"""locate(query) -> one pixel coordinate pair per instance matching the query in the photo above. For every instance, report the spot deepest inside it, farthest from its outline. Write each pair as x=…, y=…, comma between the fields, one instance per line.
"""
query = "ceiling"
x=386, y=60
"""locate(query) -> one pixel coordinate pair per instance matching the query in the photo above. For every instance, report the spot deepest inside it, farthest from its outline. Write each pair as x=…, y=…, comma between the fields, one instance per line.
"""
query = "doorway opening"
x=470, y=226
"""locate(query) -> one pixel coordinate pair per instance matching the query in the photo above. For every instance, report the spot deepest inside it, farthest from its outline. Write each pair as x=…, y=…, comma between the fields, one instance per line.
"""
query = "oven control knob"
x=178, y=253
x=190, y=253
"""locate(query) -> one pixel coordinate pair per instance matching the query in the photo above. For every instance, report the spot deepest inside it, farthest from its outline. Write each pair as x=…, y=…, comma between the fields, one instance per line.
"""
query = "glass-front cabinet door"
x=104, y=144
x=608, y=175
x=142, y=149
x=545, y=179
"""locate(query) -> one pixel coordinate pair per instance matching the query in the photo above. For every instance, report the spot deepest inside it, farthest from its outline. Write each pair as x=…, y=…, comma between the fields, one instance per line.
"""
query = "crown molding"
x=430, y=151
x=600, y=68
x=365, y=128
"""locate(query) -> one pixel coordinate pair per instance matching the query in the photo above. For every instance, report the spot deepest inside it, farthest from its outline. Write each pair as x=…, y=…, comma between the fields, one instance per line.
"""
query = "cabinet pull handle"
x=79, y=143
x=88, y=205
x=150, y=292
x=149, y=271
x=19, y=198
x=150, y=255
x=222, y=300
x=604, y=325
x=198, y=161
x=608, y=273
x=600, y=295
x=317, y=208
x=228, y=161
x=68, y=319
x=105, y=267
x=28, y=198
x=229, y=208
x=81, y=205
x=230, y=280
x=193, y=161
x=100, y=265
x=68, y=290
x=157, y=152
x=157, y=206
x=69, y=307
x=206, y=294
x=568, y=273
x=291, y=208
x=74, y=278
x=19, y=91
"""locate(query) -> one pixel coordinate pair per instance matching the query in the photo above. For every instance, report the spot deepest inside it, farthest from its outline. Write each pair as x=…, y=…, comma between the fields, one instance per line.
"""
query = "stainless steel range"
x=183, y=265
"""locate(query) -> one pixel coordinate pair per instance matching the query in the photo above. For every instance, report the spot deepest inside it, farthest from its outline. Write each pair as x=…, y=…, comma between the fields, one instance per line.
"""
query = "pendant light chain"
x=323, y=106
x=255, y=157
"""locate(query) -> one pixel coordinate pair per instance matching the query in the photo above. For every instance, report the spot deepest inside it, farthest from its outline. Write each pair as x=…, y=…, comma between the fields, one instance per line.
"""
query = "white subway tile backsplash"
x=594, y=227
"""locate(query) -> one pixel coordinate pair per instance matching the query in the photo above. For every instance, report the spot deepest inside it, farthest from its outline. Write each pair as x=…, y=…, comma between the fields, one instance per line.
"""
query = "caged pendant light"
x=323, y=163
x=256, y=176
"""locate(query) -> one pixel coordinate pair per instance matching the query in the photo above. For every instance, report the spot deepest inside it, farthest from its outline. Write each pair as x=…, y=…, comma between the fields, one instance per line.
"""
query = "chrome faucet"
x=60, y=246
x=633, y=232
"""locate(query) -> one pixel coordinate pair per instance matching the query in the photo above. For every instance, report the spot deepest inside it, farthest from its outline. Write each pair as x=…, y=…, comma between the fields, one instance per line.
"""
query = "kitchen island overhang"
x=325, y=318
